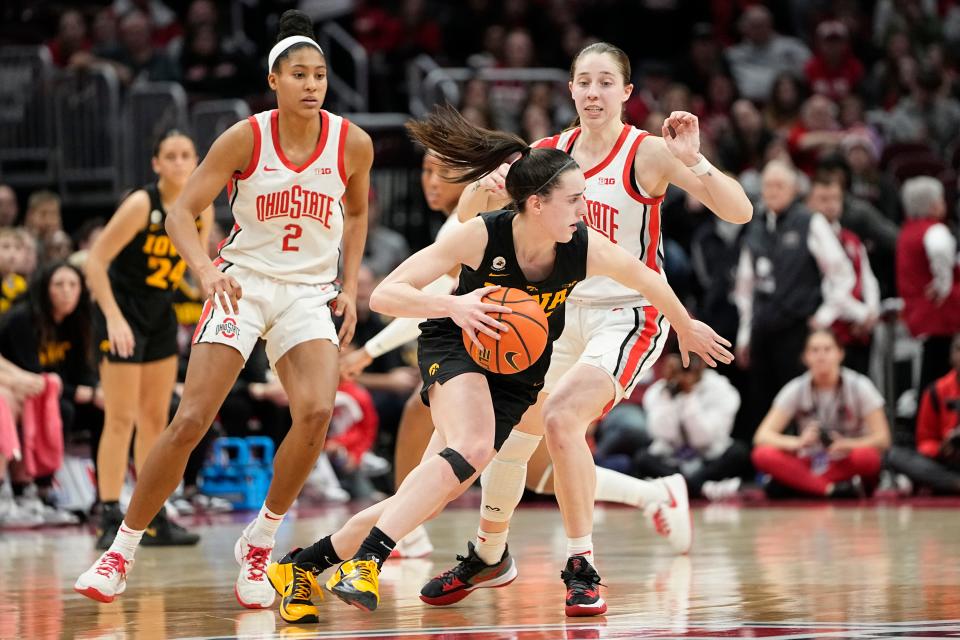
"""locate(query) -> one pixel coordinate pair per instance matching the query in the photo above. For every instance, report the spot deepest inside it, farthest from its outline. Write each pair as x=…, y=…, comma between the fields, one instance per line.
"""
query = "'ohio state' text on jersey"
x=619, y=209
x=288, y=218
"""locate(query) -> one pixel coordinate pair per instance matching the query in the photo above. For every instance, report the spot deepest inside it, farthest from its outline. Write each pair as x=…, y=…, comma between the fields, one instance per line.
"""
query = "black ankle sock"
x=378, y=544
x=321, y=553
x=110, y=504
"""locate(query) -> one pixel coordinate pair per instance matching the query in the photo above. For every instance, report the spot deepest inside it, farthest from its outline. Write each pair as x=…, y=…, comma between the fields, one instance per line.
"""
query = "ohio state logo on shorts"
x=228, y=328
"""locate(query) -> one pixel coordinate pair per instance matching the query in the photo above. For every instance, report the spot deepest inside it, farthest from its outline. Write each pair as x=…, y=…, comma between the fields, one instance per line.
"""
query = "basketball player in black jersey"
x=541, y=244
x=133, y=271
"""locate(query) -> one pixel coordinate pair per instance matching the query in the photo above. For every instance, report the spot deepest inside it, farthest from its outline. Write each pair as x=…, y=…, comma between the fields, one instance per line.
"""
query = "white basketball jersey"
x=620, y=210
x=288, y=218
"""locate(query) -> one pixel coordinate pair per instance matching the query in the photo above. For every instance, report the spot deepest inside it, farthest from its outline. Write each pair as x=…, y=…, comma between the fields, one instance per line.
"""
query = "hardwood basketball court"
x=816, y=571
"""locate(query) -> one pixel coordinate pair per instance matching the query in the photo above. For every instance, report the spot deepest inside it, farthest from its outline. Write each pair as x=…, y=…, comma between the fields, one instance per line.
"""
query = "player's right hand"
x=120, y=336
x=217, y=286
x=353, y=363
x=470, y=313
x=496, y=181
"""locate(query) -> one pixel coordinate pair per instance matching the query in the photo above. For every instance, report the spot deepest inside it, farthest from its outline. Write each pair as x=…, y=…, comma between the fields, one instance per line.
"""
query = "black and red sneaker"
x=583, y=592
x=471, y=573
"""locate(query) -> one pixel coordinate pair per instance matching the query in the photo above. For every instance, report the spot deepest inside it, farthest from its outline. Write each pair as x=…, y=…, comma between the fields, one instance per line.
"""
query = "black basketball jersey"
x=500, y=267
x=149, y=264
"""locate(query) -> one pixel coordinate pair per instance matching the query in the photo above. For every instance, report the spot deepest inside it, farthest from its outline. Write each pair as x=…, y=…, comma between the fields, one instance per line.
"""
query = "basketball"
x=519, y=347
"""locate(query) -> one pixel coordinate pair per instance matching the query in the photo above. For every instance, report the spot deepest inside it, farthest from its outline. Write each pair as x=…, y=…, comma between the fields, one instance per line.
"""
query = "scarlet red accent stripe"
x=321, y=141
x=207, y=307
x=341, y=164
x=547, y=143
x=610, y=156
x=654, y=227
x=640, y=346
x=628, y=168
x=254, y=157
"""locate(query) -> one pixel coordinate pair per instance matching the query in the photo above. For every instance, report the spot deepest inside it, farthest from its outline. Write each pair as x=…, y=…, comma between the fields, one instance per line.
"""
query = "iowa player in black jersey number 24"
x=133, y=271
x=540, y=244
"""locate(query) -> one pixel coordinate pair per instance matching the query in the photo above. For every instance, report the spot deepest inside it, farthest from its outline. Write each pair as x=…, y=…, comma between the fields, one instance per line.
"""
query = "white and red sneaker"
x=671, y=518
x=415, y=544
x=106, y=579
x=253, y=589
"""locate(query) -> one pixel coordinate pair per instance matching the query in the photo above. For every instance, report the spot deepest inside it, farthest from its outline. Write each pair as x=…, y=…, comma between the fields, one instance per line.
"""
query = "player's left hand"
x=701, y=339
x=345, y=306
x=681, y=134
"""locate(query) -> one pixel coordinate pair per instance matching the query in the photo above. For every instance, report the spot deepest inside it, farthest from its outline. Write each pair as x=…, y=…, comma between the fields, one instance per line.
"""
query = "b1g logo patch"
x=228, y=328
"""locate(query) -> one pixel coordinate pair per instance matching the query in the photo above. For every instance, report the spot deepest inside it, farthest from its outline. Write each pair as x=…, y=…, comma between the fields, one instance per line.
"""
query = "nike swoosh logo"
x=269, y=517
x=510, y=357
x=481, y=539
x=269, y=169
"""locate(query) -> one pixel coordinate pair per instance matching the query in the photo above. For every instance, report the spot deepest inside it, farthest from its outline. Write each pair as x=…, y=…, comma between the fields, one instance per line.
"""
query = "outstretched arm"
x=678, y=161
x=607, y=259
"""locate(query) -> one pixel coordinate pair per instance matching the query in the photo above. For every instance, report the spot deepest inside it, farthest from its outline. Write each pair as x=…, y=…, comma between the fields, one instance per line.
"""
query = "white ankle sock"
x=582, y=547
x=127, y=541
x=262, y=531
x=613, y=486
x=490, y=546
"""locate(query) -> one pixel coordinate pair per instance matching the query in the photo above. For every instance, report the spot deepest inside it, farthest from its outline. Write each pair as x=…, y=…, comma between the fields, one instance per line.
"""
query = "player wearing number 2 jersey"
x=297, y=179
x=133, y=271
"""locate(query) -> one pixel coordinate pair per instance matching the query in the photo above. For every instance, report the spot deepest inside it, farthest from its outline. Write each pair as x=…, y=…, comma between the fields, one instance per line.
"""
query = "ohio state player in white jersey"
x=611, y=333
x=298, y=179
x=288, y=217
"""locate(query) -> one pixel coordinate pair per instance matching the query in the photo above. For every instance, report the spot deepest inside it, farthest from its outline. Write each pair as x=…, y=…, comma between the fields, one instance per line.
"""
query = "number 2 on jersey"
x=295, y=231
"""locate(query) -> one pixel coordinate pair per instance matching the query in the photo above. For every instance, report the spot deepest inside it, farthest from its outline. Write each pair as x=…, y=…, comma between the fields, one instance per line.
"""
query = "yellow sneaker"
x=297, y=606
x=280, y=573
x=357, y=582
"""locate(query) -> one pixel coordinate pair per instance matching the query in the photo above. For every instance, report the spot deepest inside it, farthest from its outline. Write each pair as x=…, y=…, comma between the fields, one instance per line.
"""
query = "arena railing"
x=208, y=119
x=353, y=96
x=395, y=178
x=417, y=71
x=87, y=115
x=151, y=109
x=27, y=133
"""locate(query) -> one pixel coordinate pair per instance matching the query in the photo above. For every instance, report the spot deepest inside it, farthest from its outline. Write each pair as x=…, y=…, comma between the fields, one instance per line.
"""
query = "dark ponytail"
x=293, y=23
x=472, y=152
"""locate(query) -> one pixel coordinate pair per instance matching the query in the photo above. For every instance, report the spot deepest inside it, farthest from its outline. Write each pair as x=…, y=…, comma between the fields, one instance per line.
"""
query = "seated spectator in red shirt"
x=936, y=462
x=839, y=427
x=834, y=71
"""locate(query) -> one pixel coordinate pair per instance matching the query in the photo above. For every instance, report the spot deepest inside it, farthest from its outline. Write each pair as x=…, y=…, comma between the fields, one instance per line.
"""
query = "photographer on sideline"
x=839, y=427
x=690, y=414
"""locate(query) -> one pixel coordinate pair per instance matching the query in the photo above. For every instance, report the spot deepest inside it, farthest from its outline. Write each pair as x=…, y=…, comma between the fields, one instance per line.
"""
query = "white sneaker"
x=716, y=490
x=415, y=544
x=12, y=516
x=671, y=518
x=106, y=579
x=252, y=589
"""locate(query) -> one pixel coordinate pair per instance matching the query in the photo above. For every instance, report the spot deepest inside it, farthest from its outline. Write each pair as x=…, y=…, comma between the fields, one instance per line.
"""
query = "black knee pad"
x=461, y=468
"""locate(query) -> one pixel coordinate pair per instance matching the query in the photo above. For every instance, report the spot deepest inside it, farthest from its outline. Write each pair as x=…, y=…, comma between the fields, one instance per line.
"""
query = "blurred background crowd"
x=848, y=372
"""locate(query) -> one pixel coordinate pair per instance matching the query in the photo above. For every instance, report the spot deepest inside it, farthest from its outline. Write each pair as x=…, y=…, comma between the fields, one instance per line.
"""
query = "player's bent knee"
x=187, y=429
x=315, y=417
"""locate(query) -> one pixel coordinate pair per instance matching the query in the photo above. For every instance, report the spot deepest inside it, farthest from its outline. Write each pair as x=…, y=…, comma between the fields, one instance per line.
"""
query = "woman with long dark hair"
x=540, y=245
x=51, y=332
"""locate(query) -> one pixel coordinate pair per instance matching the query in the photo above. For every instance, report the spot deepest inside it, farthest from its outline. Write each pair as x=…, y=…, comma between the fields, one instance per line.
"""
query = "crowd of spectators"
x=840, y=119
